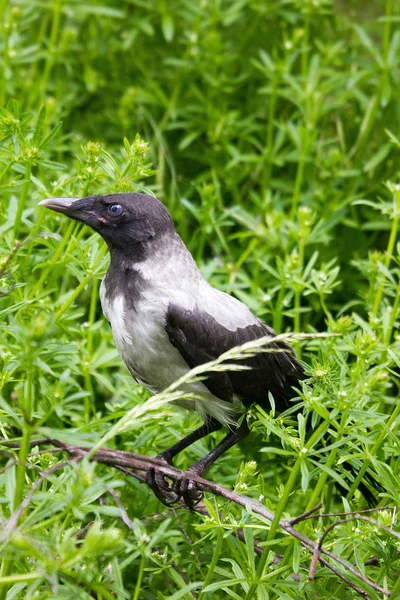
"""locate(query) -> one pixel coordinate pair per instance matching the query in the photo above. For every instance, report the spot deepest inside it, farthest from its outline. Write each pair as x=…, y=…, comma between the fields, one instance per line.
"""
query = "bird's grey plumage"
x=138, y=314
x=166, y=318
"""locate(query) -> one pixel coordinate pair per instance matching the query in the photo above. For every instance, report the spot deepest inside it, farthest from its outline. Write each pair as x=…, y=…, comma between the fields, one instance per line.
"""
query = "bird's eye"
x=115, y=210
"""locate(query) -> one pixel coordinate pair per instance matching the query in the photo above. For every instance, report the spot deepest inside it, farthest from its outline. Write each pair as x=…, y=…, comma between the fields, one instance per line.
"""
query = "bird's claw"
x=161, y=488
x=184, y=489
x=187, y=490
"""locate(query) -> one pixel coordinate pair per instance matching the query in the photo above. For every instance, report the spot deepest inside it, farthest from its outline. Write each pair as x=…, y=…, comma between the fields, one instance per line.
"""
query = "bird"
x=167, y=319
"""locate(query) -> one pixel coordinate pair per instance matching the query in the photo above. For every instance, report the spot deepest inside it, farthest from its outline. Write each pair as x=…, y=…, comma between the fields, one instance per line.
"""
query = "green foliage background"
x=273, y=130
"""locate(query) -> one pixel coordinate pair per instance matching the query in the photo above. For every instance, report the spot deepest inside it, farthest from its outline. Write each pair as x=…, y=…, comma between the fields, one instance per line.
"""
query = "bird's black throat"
x=124, y=278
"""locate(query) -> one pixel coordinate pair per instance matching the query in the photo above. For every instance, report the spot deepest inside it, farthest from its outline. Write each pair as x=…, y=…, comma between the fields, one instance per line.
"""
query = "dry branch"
x=136, y=465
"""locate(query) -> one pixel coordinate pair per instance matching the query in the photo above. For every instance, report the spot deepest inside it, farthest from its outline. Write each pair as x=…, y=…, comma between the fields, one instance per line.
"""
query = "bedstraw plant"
x=271, y=131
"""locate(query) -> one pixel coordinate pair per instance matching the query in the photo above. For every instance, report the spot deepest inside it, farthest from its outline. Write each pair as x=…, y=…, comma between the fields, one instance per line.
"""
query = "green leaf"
x=168, y=27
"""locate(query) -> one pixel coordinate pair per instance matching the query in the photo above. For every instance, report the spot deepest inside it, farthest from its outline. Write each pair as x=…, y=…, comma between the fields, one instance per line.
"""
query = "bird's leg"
x=156, y=480
x=186, y=488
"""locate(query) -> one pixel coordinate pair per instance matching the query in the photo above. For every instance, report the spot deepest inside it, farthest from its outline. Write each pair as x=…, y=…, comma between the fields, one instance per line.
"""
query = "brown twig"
x=317, y=551
x=122, y=512
x=136, y=465
x=309, y=514
x=317, y=557
x=137, y=462
x=32, y=443
x=359, y=590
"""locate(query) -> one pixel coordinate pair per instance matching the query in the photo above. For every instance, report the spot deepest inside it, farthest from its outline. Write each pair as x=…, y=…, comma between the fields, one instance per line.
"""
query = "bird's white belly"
x=144, y=345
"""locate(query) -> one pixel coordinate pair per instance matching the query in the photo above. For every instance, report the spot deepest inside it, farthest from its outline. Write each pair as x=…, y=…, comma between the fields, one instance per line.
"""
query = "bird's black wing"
x=200, y=338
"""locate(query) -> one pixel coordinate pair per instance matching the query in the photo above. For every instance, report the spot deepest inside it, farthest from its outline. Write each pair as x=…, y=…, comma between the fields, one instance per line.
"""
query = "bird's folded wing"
x=200, y=338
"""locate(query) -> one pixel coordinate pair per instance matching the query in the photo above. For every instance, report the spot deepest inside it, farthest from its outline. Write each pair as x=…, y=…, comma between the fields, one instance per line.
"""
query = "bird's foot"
x=161, y=488
x=188, y=490
x=184, y=489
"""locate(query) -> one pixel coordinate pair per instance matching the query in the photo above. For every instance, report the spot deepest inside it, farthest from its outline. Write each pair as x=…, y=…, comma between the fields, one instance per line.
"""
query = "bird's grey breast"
x=136, y=299
x=135, y=306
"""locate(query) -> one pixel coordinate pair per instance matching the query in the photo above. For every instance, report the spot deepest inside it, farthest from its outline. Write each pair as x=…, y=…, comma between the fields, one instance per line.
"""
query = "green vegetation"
x=273, y=127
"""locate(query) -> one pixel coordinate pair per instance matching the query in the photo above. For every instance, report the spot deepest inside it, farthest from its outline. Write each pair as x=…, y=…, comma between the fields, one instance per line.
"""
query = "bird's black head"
x=125, y=221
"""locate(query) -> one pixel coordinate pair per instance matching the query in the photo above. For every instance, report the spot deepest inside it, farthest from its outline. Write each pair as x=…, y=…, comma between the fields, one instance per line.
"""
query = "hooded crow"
x=166, y=319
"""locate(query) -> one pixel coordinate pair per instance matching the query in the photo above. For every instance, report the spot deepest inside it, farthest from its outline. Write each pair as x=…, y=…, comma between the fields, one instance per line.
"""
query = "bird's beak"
x=61, y=205
x=80, y=209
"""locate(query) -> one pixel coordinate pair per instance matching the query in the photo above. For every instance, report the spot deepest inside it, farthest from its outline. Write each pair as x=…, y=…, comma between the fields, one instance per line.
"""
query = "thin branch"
x=339, y=514
x=122, y=512
x=307, y=515
x=307, y=543
x=134, y=464
x=32, y=443
x=317, y=551
x=359, y=590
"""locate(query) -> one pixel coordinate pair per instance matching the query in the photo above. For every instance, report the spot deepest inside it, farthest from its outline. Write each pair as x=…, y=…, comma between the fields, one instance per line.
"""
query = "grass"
x=271, y=131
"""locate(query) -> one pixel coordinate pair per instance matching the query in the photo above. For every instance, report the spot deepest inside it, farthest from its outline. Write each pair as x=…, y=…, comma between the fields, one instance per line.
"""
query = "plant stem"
x=324, y=475
x=216, y=554
x=373, y=452
x=82, y=284
x=289, y=487
x=21, y=466
x=396, y=589
x=21, y=202
x=89, y=348
x=299, y=177
x=393, y=315
x=24, y=450
x=387, y=31
x=73, y=296
x=6, y=580
x=277, y=319
x=5, y=57
x=54, y=260
x=33, y=78
x=306, y=40
x=325, y=308
x=275, y=525
x=270, y=133
x=52, y=42
x=297, y=295
x=297, y=315
x=26, y=438
x=139, y=578
x=390, y=248
x=92, y=315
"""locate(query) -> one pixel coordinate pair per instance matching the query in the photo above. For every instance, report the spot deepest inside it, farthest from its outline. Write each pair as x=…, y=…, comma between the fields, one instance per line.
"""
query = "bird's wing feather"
x=200, y=338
